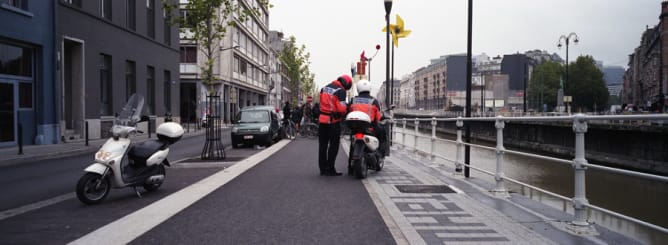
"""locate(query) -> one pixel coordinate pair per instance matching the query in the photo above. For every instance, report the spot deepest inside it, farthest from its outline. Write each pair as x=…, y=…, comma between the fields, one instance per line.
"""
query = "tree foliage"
x=296, y=61
x=586, y=85
x=544, y=85
x=206, y=22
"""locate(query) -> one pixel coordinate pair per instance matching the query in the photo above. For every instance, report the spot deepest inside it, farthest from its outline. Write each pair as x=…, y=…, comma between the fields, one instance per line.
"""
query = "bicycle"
x=309, y=130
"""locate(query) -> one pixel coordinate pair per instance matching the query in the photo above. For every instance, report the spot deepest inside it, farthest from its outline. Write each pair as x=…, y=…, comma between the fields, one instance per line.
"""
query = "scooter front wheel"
x=92, y=188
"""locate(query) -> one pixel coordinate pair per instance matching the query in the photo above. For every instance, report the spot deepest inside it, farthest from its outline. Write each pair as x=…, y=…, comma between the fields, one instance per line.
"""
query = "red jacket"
x=367, y=104
x=333, y=105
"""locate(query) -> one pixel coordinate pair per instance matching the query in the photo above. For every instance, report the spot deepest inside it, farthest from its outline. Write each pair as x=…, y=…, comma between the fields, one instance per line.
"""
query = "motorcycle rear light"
x=359, y=136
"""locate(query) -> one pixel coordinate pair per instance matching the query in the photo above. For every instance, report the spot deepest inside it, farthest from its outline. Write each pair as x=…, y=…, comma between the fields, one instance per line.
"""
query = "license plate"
x=248, y=137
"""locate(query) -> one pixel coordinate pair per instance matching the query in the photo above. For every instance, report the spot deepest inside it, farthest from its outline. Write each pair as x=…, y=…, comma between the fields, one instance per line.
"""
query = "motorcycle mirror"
x=144, y=119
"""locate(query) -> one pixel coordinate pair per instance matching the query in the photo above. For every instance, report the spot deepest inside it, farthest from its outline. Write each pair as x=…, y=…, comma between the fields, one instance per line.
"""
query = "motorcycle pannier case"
x=170, y=132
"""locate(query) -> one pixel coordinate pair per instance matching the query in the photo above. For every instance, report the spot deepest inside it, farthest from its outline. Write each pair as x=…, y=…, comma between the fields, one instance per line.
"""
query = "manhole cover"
x=424, y=189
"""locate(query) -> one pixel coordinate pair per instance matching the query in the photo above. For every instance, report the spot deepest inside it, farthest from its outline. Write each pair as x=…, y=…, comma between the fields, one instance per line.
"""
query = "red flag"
x=362, y=57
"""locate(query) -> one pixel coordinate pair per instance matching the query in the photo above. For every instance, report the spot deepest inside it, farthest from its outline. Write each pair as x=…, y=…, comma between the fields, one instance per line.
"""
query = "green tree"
x=586, y=85
x=544, y=85
x=206, y=22
x=296, y=61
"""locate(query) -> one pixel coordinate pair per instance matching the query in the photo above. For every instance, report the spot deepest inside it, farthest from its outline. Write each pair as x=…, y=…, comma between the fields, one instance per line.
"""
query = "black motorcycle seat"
x=139, y=153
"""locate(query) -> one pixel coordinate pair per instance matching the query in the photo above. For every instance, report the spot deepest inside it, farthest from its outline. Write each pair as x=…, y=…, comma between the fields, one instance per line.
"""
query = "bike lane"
x=282, y=200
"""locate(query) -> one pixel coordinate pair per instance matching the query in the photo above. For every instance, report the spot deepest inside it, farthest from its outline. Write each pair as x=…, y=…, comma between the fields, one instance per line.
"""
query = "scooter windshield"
x=131, y=112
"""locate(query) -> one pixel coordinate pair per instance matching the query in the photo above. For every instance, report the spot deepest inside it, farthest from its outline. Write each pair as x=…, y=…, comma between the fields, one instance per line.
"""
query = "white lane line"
x=33, y=206
x=128, y=228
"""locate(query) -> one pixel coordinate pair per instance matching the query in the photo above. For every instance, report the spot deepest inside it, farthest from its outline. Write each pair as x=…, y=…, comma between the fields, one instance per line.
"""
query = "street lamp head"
x=559, y=45
x=576, y=40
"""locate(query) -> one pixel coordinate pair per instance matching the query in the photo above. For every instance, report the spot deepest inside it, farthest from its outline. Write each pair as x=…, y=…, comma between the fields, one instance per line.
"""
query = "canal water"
x=643, y=199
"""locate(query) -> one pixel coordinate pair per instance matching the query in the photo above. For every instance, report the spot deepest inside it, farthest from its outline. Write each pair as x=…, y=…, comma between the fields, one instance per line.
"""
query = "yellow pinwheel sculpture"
x=398, y=31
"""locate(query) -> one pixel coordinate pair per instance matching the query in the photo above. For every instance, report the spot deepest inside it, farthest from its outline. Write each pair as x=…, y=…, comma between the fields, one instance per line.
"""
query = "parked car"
x=255, y=125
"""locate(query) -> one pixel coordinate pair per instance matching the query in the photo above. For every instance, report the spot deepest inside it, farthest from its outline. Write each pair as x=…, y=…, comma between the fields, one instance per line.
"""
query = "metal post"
x=417, y=123
x=20, y=138
x=460, y=146
x=469, y=71
x=149, y=128
x=86, y=133
x=433, y=139
x=403, y=135
x=579, y=166
x=500, y=189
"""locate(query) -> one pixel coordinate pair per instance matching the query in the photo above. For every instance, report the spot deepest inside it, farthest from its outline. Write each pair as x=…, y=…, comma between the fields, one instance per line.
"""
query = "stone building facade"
x=645, y=79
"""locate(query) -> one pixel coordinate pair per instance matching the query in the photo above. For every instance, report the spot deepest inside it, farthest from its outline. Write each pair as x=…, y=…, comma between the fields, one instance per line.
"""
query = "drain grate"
x=424, y=189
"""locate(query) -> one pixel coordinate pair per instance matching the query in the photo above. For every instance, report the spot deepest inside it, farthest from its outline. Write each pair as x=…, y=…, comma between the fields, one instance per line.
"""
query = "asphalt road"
x=31, y=182
x=282, y=200
x=42, y=219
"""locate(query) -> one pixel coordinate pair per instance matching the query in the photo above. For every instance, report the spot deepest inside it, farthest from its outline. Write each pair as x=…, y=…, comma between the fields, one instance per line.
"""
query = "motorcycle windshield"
x=131, y=112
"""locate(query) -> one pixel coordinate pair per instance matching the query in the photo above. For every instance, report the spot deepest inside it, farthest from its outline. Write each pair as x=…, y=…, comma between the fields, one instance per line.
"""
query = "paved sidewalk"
x=10, y=156
x=469, y=214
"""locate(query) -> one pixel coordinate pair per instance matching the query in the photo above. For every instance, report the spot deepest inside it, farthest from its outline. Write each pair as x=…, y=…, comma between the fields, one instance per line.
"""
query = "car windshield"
x=253, y=117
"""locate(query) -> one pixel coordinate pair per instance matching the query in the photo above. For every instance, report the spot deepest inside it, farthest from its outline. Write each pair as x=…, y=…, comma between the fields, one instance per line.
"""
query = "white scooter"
x=364, y=146
x=119, y=163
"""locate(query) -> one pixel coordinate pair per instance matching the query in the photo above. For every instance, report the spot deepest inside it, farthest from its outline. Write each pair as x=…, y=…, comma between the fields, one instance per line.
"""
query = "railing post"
x=433, y=139
x=500, y=189
x=415, y=142
x=403, y=134
x=579, y=166
x=460, y=146
x=394, y=125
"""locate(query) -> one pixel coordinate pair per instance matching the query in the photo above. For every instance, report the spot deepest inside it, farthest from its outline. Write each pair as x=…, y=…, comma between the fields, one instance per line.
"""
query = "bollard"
x=86, y=133
x=403, y=135
x=20, y=139
x=500, y=189
x=417, y=123
x=149, y=128
x=579, y=166
x=460, y=147
x=433, y=139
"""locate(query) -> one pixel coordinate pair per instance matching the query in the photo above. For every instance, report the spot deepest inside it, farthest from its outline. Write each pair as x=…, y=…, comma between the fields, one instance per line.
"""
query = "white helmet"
x=363, y=86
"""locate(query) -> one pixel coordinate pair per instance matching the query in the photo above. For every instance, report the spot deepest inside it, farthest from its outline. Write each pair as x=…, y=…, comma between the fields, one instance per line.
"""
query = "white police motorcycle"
x=120, y=163
x=365, y=147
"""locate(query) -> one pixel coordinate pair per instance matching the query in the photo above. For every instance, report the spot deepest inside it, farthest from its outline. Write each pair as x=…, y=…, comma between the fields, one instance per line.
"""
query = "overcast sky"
x=335, y=32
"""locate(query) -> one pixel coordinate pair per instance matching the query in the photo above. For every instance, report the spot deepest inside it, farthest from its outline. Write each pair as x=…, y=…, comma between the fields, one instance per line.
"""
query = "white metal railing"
x=579, y=163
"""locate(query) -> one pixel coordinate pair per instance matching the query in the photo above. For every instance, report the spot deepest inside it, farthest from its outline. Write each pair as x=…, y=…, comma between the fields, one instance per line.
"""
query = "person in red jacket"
x=333, y=109
x=366, y=103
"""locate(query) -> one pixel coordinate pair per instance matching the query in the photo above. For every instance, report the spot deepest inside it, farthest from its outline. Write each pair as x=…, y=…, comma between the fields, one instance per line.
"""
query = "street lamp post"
x=567, y=39
x=388, y=9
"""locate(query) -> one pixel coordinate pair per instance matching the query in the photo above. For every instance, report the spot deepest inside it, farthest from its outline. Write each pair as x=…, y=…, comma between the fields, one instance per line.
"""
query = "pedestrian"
x=333, y=109
x=286, y=114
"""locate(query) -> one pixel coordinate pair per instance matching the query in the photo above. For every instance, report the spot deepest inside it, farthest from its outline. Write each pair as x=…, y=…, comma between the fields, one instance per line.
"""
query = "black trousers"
x=329, y=136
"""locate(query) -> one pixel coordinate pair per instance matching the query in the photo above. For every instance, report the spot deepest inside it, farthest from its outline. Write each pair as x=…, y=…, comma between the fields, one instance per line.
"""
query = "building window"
x=105, y=85
x=25, y=95
x=19, y=4
x=130, y=78
x=15, y=60
x=150, y=90
x=105, y=9
x=150, y=18
x=188, y=54
x=166, y=19
x=131, y=14
x=188, y=23
x=167, y=96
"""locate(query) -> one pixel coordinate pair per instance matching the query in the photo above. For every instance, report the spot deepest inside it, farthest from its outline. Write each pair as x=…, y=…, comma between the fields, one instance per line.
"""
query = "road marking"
x=128, y=228
x=33, y=206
